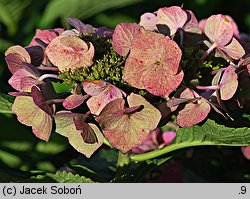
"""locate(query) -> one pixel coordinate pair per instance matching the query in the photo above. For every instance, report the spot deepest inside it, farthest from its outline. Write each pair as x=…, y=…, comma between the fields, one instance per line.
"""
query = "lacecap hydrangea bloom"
x=129, y=82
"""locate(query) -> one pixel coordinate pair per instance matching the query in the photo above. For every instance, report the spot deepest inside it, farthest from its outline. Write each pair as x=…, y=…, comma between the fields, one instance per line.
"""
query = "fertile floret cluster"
x=168, y=70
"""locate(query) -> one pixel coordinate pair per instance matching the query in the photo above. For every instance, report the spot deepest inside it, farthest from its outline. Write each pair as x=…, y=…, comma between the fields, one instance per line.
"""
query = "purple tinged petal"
x=164, y=84
x=148, y=21
x=26, y=77
x=15, y=80
x=151, y=143
x=102, y=93
x=74, y=101
x=70, y=114
x=168, y=137
x=14, y=62
x=27, y=83
x=16, y=94
x=65, y=126
x=24, y=74
x=123, y=37
x=44, y=37
x=98, y=102
x=72, y=32
x=19, y=50
x=202, y=23
x=129, y=110
x=125, y=131
x=36, y=54
x=233, y=49
x=219, y=29
x=69, y=53
x=104, y=32
x=133, y=109
x=235, y=27
x=80, y=26
x=40, y=100
x=31, y=69
x=15, y=57
x=228, y=83
x=87, y=133
x=244, y=61
x=173, y=102
x=246, y=151
x=94, y=87
x=193, y=112
x=192, y=24
x=173, y=18
x=157, y=65
x=29, y=114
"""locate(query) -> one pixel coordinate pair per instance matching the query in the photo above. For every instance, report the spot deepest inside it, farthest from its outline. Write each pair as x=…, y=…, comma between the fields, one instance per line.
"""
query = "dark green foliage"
x=211, y=133
x=5, y=103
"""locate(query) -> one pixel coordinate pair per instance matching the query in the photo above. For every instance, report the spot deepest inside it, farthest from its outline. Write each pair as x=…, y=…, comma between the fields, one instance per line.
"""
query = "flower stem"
x=171, y=148
x=214, y=87
x=47, y=68
x=163, y=151
x=45, y=76
x=54, y=101
x=123, y=164
x=123, y=159
x=214, y=72
x=211, y=48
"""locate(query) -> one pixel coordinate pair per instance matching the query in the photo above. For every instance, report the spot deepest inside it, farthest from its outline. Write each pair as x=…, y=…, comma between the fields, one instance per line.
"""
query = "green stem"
x=123, y=164
x=123, y=159
x=106, y=142
x=170, y=148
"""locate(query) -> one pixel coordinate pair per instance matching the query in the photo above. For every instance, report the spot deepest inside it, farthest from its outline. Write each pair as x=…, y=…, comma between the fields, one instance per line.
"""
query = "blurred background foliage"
x=19, y=20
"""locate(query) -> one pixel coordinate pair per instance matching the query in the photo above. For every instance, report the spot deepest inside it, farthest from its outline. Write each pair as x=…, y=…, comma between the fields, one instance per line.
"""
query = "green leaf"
x=8, y=174
x=78, y=8
x=59, y=176
x=6, y=102
x=4, y=44
x=63, y=177
x=209, y=133
x=11, y=13
x=62, y=87
x=84, y=171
